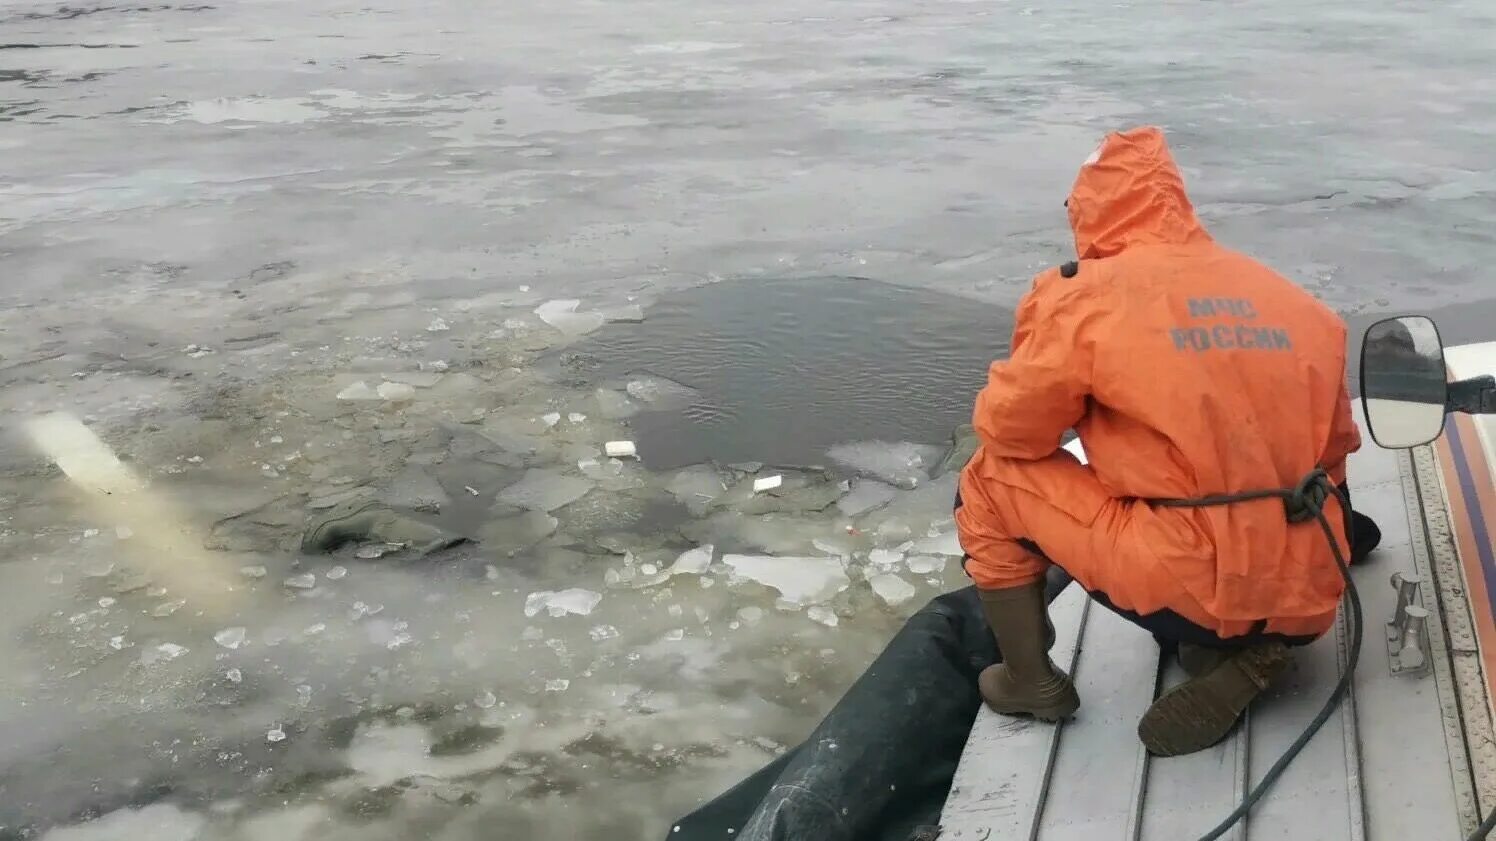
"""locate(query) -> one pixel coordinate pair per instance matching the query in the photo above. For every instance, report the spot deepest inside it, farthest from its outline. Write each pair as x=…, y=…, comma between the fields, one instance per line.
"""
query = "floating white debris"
x=768, y=483
x=396, y=392
x=693, y=561
x=437, y=325
x=675, y=635
x=305, y=581
x=375, y=551
x=661, y=393
x=358, y=391
x=106, y=602
x=563, y=315
x=275, y=735
x=800, y=581
x=925, y=564
x=117, y=642
x=485, y=701
x=824, y=615
x=892, y=589
x=559, y=603
x=649, y=569
x=550, y=419
x=234, y=675
x=472, y=491
x=603, y=632
x=885, y=558
x=231, y=638
x=576, y=417
x=544, y=490
x=171, y=650
x=336, y=573
x=557, y=685
x=314, y=629
x=620, y=449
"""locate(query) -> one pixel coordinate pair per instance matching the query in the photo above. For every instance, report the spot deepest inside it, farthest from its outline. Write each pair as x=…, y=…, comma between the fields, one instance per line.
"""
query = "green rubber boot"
x=1201, y=711
x=1027, y=682
x=369, y=519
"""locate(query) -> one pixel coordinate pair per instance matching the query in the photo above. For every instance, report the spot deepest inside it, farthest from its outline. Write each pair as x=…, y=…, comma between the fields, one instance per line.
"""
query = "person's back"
x=1188, y=370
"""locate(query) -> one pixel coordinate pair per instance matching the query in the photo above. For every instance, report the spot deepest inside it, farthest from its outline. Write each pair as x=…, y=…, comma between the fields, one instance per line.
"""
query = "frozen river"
x=290, y=255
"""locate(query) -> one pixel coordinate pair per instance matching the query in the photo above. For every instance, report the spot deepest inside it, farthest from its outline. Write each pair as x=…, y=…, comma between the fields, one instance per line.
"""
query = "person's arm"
x=1040, y=390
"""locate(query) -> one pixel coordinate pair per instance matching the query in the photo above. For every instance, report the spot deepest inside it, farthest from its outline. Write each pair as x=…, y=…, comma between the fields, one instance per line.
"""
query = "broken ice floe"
x=544, y=490
x=231, y=638
x=693, y=561
x=613, y=405
x=800, y=581
x=768, y=483
x=627, y=314
x=559, y=603
x=620, y=449
x=305, y=581
x=947, y=545
x=892, y=589
x=396, y=392
x=902, y=464
x=563, y=316
x=866, y=495
x=925, y=564
x=660, y=393
x=550, y=419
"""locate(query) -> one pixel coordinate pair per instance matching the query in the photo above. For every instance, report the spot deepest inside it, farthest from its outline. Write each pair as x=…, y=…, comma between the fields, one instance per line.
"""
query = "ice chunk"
x=925, y=564
x=562, y=315
x=437, y=325
x=948, y=545
x=750, y=614
x=170, y=650
x=768, y=483
x=275, y=734
x=305, y=581
x=359, y=391
x=884, y=558
x=544, y=490
x=336, y=573
x=824, y=615
x=166, y=609
x=557, y=685
x=603, y=632
x=675, y=635
x=375, y=551
x=620, y=449
x=234, y=675
x=550, y=419
x=905, y=465
x=414, y=488
x=396, y=392
x=613, y=405
x=627, y=314
x=485, y=701
x=559, y=603
x=693, y=561
x=892, y=589
x=417, y=379
x=800, y=581
x=660, y=393
x=106, y=602
x=576, y=417
x=231, y=638
x=867, y=495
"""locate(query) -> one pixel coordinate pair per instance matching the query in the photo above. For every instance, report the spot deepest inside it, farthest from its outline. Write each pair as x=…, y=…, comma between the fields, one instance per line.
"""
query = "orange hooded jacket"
x=1186, y=369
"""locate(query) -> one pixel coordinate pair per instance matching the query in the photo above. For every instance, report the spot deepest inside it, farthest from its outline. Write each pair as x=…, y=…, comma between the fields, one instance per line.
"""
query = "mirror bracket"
x=1475, y=396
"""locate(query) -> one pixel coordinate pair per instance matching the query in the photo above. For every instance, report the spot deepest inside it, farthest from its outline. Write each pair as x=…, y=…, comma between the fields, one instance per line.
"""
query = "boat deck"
x=1390, y=763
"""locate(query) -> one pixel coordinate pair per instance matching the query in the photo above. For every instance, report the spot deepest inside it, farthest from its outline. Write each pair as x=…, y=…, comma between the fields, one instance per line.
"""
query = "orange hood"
x=1130, y=193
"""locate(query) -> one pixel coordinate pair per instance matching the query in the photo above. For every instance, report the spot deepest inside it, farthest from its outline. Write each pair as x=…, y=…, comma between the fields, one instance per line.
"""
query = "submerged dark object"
x=879, y=766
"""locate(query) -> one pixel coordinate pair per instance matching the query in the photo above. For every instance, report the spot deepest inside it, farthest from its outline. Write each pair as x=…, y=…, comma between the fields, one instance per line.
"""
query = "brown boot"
x=1201, y=711
x=1026, y=682
x=1197, y=660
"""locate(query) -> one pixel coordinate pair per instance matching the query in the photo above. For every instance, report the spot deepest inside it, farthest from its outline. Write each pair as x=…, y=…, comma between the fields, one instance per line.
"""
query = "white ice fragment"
x=117, y=642
x=675, y=611
x=106, y=602
x=750, y=614
x=336, y=573
x=525, y=288
x=166, y=609
x=866, y=495
x=234, y=675
x=661, y=393
x=884, y=558
x=576, y=417
x=375, y=551
x=194, y=459
x=550, y=419
x=925, y=564
x=892, y=589
x=358, y=391
x=948, y=545
x=437, y=325
x=275, y=735
x=693, y=561
x=620, y=449
x=559, y=603
x=305, y=581
x=800, y=581
x=900, y=464
x=603, y=632
x=486, y=700
x=171, y=650
x=472, y=491
x=768, y=483
x=562, y=315
x=276, y=439
x=231, y=638
x=628, y=314
x=396, y=392
x=824, y=615
x=123, y=533
x=544, y=490
x=675, y=634
x=649, y=569
x=557, y=685
x=612, y=405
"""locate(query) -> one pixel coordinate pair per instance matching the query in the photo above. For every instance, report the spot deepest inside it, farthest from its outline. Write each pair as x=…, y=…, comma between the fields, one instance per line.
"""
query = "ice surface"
x=557, y=685
x=925, y=564
x=693, y=561
x=866, y=495
x=613, y=405
x=274, y=735
x=336, y=573
x=231, y=638
x=544, y=490
x=396, y=392
x=628, y=314
x=305, y=581
x=824, y=615
x=885, y=558
x=562, y=315
x=661, y=393
x=414, y=488
x=166, y=609
x=359, y=391
x=800, y=581
x=438, y=325
x=892, y=589
x=159, y=822
x=574, y=600
x=576, y=417
x=902, y=464
x=948, y=545
x=550, y=419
